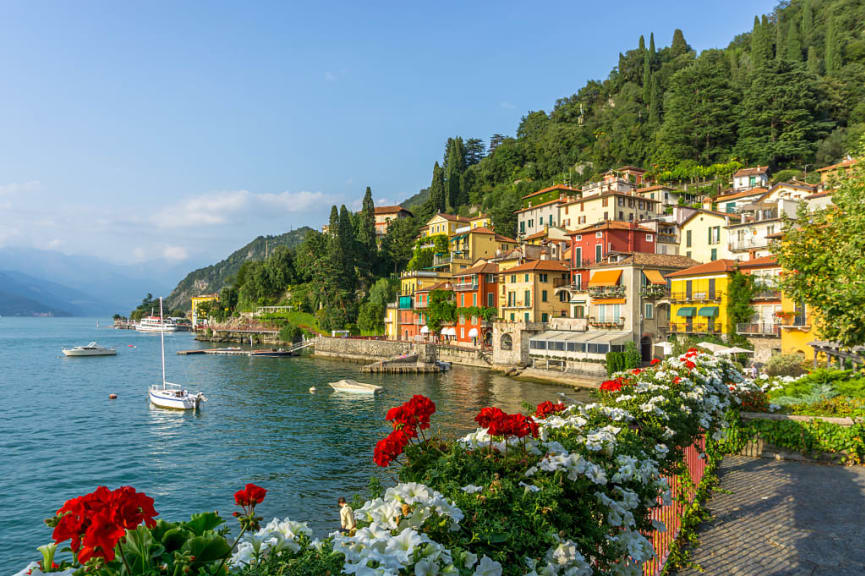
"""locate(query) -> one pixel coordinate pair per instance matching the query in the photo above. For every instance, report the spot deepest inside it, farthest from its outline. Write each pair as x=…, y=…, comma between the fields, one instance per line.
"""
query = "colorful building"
x=475, y=288
x=621, y=206
x=831, y=176
x=466, y=247
x=536, y=218
x=732, y=202
x=799, y=326
x=698, y=298
x=442, y=223
x=763, y=330
x=421, y=303
x=384, y=215
x=592, y=244
x=527, y=292
x=748, y=178
x=545, y=195
x=704, y=236
x=199, y=315
x=407, y=324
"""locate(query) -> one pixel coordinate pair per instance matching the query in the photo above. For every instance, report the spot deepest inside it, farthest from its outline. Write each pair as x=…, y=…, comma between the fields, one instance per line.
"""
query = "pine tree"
x=334, y=220
x=679, y=46
x=648, y=56
x=813, y=61
x=757, y=44
x=436, y=199
x=832, y=54
x=366, y=239
x=655, y=99
x=793, y=43
x=807, y=23
x=780, y=48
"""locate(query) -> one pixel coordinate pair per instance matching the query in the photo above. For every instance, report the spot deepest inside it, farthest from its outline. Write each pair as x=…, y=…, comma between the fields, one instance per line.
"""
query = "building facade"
x=476, y=289
x=698, y=298
x=527, y=292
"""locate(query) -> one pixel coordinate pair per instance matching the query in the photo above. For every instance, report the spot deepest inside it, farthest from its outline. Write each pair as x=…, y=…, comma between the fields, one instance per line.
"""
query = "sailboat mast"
x=162, y=341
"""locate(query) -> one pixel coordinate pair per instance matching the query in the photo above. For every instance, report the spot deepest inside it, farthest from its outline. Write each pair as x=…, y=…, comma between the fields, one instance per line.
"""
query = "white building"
x=748, y=178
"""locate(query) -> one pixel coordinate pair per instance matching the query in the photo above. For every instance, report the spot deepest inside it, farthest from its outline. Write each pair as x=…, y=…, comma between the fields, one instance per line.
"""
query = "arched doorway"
x=646, y=348
x=488, y=338
x=507, y=342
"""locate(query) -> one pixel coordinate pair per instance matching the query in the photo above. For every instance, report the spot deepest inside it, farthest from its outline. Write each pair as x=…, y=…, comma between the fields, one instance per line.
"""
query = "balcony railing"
x=759, y=329
x=695, y=328
x=799, y=321
x=559, y=282
x=607, y=291
x=651, y=291
x=766, y=294
x=606, y=323
x=749, y=243
x=460, y=286
x=513, y=305
x=696, y=296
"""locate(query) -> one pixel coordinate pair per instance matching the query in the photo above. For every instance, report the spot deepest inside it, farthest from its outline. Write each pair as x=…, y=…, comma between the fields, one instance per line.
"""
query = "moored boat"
x=170, y=395
x=355, y=387
x=156, y=324
x=91, y=349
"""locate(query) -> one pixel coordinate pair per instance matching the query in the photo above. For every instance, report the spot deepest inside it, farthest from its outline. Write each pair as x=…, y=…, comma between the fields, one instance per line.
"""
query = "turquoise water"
x=61, y=436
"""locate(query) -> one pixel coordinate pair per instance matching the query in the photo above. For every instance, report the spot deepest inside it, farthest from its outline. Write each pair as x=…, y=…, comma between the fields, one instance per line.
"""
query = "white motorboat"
x=355, y=387
x=156, y=324
x=91, y=349
x=171, y=395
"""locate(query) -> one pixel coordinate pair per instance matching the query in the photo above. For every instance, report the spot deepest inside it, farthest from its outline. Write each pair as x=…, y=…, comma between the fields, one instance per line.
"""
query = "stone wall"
x=765, y=347
x=511, y=342
x=362, y=350
x=464, y=356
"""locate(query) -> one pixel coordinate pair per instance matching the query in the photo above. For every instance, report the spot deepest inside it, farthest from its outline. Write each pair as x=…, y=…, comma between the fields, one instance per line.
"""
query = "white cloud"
x=291, y=201
x=175, y=253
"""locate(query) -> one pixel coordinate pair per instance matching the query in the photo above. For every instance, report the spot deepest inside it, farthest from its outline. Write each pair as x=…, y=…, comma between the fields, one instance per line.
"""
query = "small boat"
x=355, y=387
x=156, y=324
x=91, y=349
x=171, y=395
x=443, y=366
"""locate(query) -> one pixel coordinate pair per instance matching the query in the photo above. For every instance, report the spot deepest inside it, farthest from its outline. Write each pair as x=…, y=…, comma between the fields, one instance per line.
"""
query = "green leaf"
x=201, y=523
x=207, y=548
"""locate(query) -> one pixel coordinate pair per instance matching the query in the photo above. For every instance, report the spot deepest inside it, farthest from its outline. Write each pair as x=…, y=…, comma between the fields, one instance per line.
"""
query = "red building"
x=475, y=288
x=594, y=243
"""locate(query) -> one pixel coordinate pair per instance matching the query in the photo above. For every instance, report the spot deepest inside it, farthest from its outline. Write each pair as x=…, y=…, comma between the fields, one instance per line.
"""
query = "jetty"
x=403, y=364
x=255, y=353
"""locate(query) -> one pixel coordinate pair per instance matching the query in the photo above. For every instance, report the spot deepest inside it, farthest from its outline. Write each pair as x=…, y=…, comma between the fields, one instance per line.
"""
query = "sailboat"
x=172, y=395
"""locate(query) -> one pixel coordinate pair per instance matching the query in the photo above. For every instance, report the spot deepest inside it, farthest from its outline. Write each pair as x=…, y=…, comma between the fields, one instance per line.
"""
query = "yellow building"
x=197, y=301
x=528, y=291
x=698, y=298
x=481, y=221
x=443, y=223
x=466, y=248
x=391, y=317
x=703, y=236
x=798, y=327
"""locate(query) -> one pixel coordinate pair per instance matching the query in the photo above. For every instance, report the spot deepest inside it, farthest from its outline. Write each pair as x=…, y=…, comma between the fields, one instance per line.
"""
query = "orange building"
x=475, y=289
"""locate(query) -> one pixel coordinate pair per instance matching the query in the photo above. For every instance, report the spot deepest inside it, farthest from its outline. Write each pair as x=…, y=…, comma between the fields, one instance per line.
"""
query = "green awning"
x=687, y=311
x=709, y=311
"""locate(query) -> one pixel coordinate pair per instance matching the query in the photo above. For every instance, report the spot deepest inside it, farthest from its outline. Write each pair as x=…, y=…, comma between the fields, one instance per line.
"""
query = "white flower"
x=402, y=546
x=470, y=559
x=530, y=487
x=471, y=488
x=488, y=567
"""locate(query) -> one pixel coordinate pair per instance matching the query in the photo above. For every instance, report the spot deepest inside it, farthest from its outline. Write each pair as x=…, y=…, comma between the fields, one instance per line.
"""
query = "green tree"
x=739, y=294
x=832, y=52
x=437, y=201
x=778, y=121
x=813, y=61
x=440, y=310
x=679, y=47
x=366, y=230
x=475, y=151
x=793, y=42
x=455, y=165
x=807, y=23
x=398, y=243
x=824, y=264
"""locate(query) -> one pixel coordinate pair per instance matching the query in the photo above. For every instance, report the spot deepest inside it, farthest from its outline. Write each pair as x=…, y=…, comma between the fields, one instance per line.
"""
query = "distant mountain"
x=23, y=295
x=116, y=288
x=417, y=200
x=213, y=278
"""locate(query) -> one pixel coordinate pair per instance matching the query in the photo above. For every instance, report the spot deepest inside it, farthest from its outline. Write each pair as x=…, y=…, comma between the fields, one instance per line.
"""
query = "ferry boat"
x=156, y=324
x=91, y=349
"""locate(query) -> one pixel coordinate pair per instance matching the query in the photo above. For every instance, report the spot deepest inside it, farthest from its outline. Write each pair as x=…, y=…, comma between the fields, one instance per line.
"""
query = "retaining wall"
x=361, y=350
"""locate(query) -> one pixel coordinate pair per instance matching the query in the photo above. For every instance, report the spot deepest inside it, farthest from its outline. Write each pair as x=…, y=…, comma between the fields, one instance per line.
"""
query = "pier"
x=259, y=353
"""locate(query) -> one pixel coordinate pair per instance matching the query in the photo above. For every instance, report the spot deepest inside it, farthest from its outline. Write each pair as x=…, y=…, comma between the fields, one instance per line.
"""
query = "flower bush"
x=567, y=490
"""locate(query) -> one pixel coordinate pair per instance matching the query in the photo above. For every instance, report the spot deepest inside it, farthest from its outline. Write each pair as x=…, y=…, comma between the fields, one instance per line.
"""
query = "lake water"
x=61, y=436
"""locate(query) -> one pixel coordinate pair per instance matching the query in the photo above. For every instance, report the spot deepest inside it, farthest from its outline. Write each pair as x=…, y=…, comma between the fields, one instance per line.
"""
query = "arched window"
x=507, y=342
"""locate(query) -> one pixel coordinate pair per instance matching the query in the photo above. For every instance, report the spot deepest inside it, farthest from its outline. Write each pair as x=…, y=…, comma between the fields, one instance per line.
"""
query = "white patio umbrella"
x=736, y=350
x=713, y=348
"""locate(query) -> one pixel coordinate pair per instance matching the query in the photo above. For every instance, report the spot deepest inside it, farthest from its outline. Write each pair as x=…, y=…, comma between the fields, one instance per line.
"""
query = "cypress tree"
x=813, y=61
x=793, y=43
x=334, y=220
x=347, y=242
x=366, y=228
x=807, y=23
x=454, y=167
x=437, y=190
x=780, y=50
x=756, y=44
x=655, y=101
x=832, y=54
x=647, y=73
x=679, y=46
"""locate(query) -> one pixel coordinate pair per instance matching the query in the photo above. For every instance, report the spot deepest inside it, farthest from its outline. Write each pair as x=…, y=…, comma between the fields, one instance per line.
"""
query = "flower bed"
x=576, y=490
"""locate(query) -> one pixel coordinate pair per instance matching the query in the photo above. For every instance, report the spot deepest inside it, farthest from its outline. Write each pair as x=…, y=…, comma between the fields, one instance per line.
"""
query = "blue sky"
x=178, y=131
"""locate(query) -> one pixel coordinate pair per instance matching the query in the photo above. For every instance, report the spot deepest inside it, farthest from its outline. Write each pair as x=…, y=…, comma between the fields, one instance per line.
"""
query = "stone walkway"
x=774, y=518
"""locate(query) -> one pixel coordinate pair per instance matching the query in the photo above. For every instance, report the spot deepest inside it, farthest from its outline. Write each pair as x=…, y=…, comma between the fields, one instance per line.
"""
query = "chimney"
x=707, y=203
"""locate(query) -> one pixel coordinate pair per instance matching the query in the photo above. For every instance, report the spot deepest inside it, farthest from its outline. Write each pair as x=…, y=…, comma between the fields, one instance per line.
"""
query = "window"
x=578, y=256
x=513, y=278
x=631, y=217
x=606, y=216
x=649, y=238
x=630, y=202
x=752, y=181
x=688, y=241
x=642, y=205
x=545, y=317
x=543, y=296
x=526, y=316
x=462, y=333
x=512, y=319
x=650, y=311
x=463, y=300
x=551, y=219
x=528, y=298
x=688, y=253
x=563, y=296
x=542, y=277
x=622, y=215
x=604, y=202
x=730, y=208
x=475, y=299
x=523, y=227
x=578, y=281
x=578, y=237
x=599, y=234
x=598, y=252
x=770, y=229
x=714, y=255
x=490, y=299
x=711, y=287
x=714, y=234
x=491, y=278
x=621, y=201
x=526, y=278
x=579, y=311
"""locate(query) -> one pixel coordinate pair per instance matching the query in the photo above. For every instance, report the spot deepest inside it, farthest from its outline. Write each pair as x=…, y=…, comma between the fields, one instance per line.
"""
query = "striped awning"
x=603, y=278
x=686, y=312
x=654, y=276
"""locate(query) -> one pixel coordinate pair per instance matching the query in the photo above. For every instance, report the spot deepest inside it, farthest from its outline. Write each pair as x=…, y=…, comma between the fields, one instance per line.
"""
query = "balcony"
x=462, y=286
x=559, y=282
x=607, y=323
x=793, y=321
x=747, y=243
x=759, y=329
x=441, y=260
x=607, y=291
x=766, y=293
x=696, y=296
x=654, y=291
x=514, y=305
x=405, y=302
x=695, y=328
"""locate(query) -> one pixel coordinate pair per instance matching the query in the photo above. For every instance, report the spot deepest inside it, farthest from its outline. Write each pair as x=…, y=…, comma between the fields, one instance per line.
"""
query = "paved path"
x=774, y=518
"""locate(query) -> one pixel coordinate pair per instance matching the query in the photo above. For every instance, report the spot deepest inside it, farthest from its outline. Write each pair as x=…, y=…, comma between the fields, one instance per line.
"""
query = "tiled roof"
x=539, y=265
x=752, y=192
x=699, y=211
x=842, y=164
x=551, y=188
x=715, y=267
x=655, y=187
x=608, y=194
x=482, y=268
x=547, y=203
x=631, y=168
x=611, y=225
x=792, y=184
x=820, y=194
x=500, y=238
x=761, y=262
x=390, y=210
x=536, y=235
x=751, y=171
x=446, y=285
x=481, y=230
x=452, y=217
x=650, y=260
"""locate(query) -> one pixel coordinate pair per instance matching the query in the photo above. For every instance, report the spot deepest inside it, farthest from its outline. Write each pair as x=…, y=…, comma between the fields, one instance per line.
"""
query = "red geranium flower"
x=654, y=361
x=635, y=371
x=611, y=385
x=249, y=496
x=690, y=365
x=544, y=409
x=389, y=447
x=487, y=415
x=677, y=379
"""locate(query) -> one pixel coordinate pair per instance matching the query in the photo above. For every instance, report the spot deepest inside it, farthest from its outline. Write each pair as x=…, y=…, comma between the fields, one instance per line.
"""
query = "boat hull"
x=171, y=400
x=355, y=387
x=140, y=328
x=74, y=352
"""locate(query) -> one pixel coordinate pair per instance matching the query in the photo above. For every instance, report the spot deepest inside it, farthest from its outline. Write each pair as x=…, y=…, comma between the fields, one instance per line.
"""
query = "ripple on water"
x=260, y=425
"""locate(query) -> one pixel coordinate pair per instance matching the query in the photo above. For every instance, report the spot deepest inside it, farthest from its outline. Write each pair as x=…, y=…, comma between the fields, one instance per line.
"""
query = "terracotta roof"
x=536, y=235
x=452, y=217
x=445, y=285
x=500, y=238
x=752, y=192
x=478, y=217
x=482, y=268
x=390, y=210
x=611, y=225
x=751, y=171
x=631, y=168
x=842, y=164
x=715, y=267
x=761, y=262
x=551, y=188
x=608, y=194
x=481, y=230
x=820, y=194
x=539, y=265
x=655, y=187
x=710, y=213
x=547, y=203
x=793, y=184
x=650, y=260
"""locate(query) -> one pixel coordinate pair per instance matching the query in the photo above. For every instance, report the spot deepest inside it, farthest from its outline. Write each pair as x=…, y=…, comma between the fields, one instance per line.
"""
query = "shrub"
x=785, y=365
x=290, y=333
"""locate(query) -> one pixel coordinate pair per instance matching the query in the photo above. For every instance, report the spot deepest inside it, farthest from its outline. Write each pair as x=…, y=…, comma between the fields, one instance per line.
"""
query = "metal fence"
x=683, y=494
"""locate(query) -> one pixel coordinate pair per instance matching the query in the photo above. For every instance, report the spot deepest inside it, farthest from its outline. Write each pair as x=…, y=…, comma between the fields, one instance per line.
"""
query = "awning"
x=592, y=336
x=449, y=331
x=654, y=276
x=473, y=333
x=609, y=300
x=686, y=312
x=708, y=311
x=424, y=329
x=605, y=278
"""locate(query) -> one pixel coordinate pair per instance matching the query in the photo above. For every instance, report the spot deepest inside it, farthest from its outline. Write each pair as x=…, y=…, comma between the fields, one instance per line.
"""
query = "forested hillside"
x=790, y=93
x=213, y=278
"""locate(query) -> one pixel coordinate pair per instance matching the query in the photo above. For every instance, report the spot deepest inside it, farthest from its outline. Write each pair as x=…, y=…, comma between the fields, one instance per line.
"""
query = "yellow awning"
x=654, y=276
x=609, y=300
x=605, y=278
